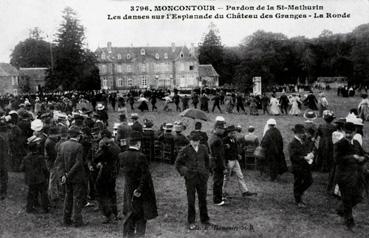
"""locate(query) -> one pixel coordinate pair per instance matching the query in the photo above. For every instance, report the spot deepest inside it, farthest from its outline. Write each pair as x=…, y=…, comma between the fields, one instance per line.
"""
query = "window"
x=191, y=67
x=128, y=56
x=103, y=56
x=142, y=51
x=119, y=56
x=105, y=83
x=14, y=80
x=119, y=82
x=143, y=81
x=119, y=68
x=181, y=55
x=165, y=55
x=157, y=56
x=103, y=69
x=181, y=66
x=142, y=67
x=129, y=82
x=129, y=68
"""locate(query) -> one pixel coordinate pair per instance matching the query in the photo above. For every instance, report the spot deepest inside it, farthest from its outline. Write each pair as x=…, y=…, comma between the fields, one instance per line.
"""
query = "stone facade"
x=9, y=79
x=32, y=79
x=147, y=67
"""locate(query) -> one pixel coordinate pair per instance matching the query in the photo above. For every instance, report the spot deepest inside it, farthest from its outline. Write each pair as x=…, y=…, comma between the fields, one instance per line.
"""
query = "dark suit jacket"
x=35, y=171
x=348, y=168
x=70, y=156
x=298, y=151
x=230, y=148
x=217, y=152
x=137, y=127
x=192, y=164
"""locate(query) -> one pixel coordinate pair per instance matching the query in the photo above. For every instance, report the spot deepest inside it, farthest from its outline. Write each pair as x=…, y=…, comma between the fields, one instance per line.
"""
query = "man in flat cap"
x=193, y=164
x=73, y=175
x=139, y=201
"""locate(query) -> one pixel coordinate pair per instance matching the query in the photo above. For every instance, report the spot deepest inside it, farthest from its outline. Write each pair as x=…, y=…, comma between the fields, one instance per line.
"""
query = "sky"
x=19, y=16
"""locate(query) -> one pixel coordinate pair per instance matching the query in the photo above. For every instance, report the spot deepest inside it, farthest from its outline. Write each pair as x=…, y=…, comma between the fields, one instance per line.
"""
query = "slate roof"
x=151, y=52
x=8, y=70
x=207, y=70
x=34, y=72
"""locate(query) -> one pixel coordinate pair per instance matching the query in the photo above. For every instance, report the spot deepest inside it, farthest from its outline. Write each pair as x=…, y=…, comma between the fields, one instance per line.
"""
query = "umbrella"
x=195, y=114
x=167, y=98
x=142, y=99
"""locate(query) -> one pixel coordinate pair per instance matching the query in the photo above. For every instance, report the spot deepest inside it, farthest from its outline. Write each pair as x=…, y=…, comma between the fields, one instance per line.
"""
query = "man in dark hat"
x=107, y=162
x=73, y=175
x=301, y=159
x=193, y=163
x=217, y=160
x=139, y=200
x=349, y=156
x=203, y=135
x=136, y=126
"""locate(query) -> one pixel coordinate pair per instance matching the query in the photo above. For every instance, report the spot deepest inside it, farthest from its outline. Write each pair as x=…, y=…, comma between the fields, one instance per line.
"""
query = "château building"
x=122, y=68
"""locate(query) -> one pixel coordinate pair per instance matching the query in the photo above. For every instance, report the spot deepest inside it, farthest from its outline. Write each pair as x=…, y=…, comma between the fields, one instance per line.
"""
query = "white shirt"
x=297, y=138
x=196, y=148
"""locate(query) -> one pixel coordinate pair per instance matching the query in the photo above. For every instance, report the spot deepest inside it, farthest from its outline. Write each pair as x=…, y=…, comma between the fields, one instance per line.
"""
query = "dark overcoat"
x=137, y=176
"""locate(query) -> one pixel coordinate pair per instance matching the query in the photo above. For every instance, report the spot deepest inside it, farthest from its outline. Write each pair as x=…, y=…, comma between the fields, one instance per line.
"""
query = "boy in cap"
x=193, y=163
x=36, y=174
x=301, y=160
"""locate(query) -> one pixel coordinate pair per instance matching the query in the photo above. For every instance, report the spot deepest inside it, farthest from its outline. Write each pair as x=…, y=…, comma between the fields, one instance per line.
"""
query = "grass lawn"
x=270, y=214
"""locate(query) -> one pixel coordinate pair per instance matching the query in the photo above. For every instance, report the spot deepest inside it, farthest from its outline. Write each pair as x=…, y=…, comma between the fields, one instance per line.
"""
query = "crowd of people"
x=63, y=144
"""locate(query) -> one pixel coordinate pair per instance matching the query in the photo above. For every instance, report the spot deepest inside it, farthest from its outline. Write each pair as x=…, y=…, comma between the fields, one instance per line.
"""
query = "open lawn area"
x=272, y=213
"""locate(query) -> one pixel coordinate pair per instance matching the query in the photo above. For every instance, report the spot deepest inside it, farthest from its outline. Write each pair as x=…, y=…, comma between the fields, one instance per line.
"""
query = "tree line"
x=273, y=56
x=282, y=60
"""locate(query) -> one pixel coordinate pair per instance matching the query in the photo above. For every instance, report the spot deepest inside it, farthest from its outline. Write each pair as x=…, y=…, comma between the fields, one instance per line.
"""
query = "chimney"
x=173, y=47
x=109, y=47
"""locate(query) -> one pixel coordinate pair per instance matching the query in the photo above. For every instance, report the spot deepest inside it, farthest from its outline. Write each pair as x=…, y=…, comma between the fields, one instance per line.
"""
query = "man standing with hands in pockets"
x=193, y=163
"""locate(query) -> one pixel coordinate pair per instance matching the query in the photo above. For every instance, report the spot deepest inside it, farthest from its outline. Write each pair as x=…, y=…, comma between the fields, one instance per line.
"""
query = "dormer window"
x=181, y=55
x=119, y=56
x=128, y=56
x=157, y=56
x=165, y=55
x=103, y=56
x=142, y=51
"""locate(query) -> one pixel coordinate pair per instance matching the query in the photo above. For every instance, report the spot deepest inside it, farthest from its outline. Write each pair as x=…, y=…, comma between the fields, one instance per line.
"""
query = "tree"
x=211, y=52
x=74, y=66
x=360, y=54
x=263, y=54
x=32, y=52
